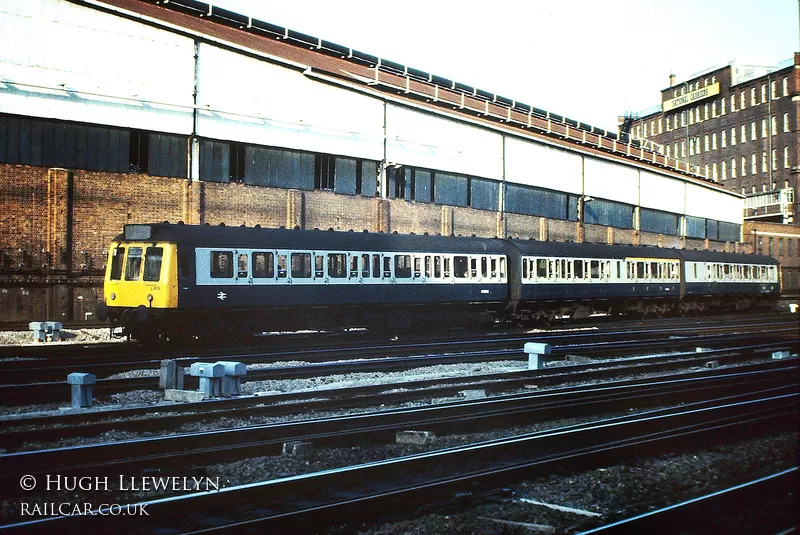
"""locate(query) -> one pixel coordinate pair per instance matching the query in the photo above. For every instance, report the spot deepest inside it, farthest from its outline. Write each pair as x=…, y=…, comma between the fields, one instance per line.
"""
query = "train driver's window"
x=301, y=265
x=134, y=264
x=152, y=264
x=241, y=270
x=282, y=272
x=263, y=266
x=221, y=264
x=460, y=267
x=117, y=258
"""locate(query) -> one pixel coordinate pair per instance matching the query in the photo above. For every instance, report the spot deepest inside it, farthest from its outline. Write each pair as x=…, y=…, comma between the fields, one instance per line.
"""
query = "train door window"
x=376, y=266
x=446, y=260
x=221, y=265
x=493, y=268
x=319, y=266
x=473, y=268
x=578, y=269
x=525, y=266
x=628, y=270
x=595, y=269
x=619, y=269
x=282, y=272
x=694, y=266
x=117, y=258
x=337, y=265
x=607, y=269
x=460, y=267
x=354, y=266
x=152, y=264
x=183, y=265
x=484, y=267
x=437, y=267
x=387, y=267
x=541, y=268
x=568, y=265
x=365, y=266
x=402, y=266
x=134, y=264
x=654, y=270
x=417, y=267
x=428, y=264
x=301, y=265
x=263, y=265
x=241, y=267
x=640, y=270
x=502, y=267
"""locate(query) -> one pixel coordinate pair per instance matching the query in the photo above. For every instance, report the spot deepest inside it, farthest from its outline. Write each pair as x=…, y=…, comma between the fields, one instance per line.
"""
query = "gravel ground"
x=69, y=336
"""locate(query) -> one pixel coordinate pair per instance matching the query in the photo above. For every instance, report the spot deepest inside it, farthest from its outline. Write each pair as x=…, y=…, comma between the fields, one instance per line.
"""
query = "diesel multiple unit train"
x=175, y=281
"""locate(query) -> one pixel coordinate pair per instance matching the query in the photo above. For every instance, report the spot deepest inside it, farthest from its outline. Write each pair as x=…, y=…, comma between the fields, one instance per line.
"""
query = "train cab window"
x=241, y=267
x=594, y=267
x=319, y=266
x=337, y=265
x=437, y=267
x=365, y=266
x=460, y=267
x=263, y=265
x=282, y=271
x=221, y=264
x=402, y=266
x=428, y=263
x=354, y=267
x=301, y=265
x=117, y=258
x=376, y=266
x=134, y=264
x=417, y=267
x=152, y=264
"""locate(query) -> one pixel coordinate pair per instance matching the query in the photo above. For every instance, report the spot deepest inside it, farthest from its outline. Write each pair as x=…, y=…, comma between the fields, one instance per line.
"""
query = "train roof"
x=715, y=256
x=326, y=240
x=592, y=250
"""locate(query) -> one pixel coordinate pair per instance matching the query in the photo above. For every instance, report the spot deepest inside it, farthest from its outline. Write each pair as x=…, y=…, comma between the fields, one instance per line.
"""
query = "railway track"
x=357, y=495
x=583, y=344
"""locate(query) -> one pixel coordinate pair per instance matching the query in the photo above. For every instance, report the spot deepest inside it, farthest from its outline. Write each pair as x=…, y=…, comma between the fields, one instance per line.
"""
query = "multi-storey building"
x=736, y=125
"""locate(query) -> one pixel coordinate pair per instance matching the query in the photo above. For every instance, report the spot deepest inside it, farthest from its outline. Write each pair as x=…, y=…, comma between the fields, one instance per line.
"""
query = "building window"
x=744, y=165
x=763, y=93
x=722, y=107
x=683, y=149
x=773, y=125
x=733, y=136
x=764, y=162
x=753, y=131
x=706, y=171
x=785, y=86
x=773, y=89
x=705, y=143
x=786, y=157
x=713, y=109
x=742, y=99
x=697, y=114
x=743, y=137
x=714, y=141
x=723, y=138
x=236, y=163
x=724, y=165
x=705, y=111
x=753, y=96
x=714, y=175
x=691, y=147
x=774, y=159
x=139, y=151
x=733, y=167
x=753, y=167
x=785, y=122
x=763, y=128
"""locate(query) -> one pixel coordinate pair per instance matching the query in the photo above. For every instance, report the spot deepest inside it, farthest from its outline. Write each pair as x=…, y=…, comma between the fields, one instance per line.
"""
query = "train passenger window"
x=640, y=270
x=282, y=272
x=446, y=267
x=629, y=269
x=354, y=266
x=301, y=265
x=524, y=269
x=541, y=268
x=484, y=267
x=241, y=271
x=402, y=266
x=263, y=265
x=152, y=263
x=653, y=270
x=695, y=270
x=551, y=269
x=134, y=264
x=376, y=266
x=365, y=266
x=594, y=267
x=502, y=267
x=473, y=268
x=460, y=267
x=387, y=267
x=319, y=266
x=417, y=267
x=337, y=265
x=221, y=264
x=428, y=267
x=607, y=269
x=437, y=267
x=117, y=258
x=619, y=269
x=493, y=270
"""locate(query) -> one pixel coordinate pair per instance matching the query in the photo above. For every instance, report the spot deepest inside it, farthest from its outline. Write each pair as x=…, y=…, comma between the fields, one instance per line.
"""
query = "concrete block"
x=297, y=448
x=232, y=380
x=171, y=375
x=185, y=396
x=780, y=355
x=81, y=389
x=207, y=369
x=419, y=438
x=536, y=352
x=44, y=329
x=712, y=364
x=793, y=307
x=478, y=393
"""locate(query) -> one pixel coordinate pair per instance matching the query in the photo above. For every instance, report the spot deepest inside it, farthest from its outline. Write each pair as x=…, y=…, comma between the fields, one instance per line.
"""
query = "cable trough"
x=355, y=495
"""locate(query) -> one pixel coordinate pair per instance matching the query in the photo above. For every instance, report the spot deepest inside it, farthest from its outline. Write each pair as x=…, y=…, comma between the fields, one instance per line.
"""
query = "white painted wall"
x=706, y=202
x=536, y=164
x=612, y=181
x=661, y=193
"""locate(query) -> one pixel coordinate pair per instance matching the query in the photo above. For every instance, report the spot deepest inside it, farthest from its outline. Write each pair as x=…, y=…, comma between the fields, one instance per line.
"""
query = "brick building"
x=126, y=111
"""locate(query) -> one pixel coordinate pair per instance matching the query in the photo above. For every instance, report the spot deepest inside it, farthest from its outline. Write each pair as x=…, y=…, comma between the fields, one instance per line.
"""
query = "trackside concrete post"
x=81, y=389
x=171, y=376
x=210, y=377
x=232, y=380
x=536, y=352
